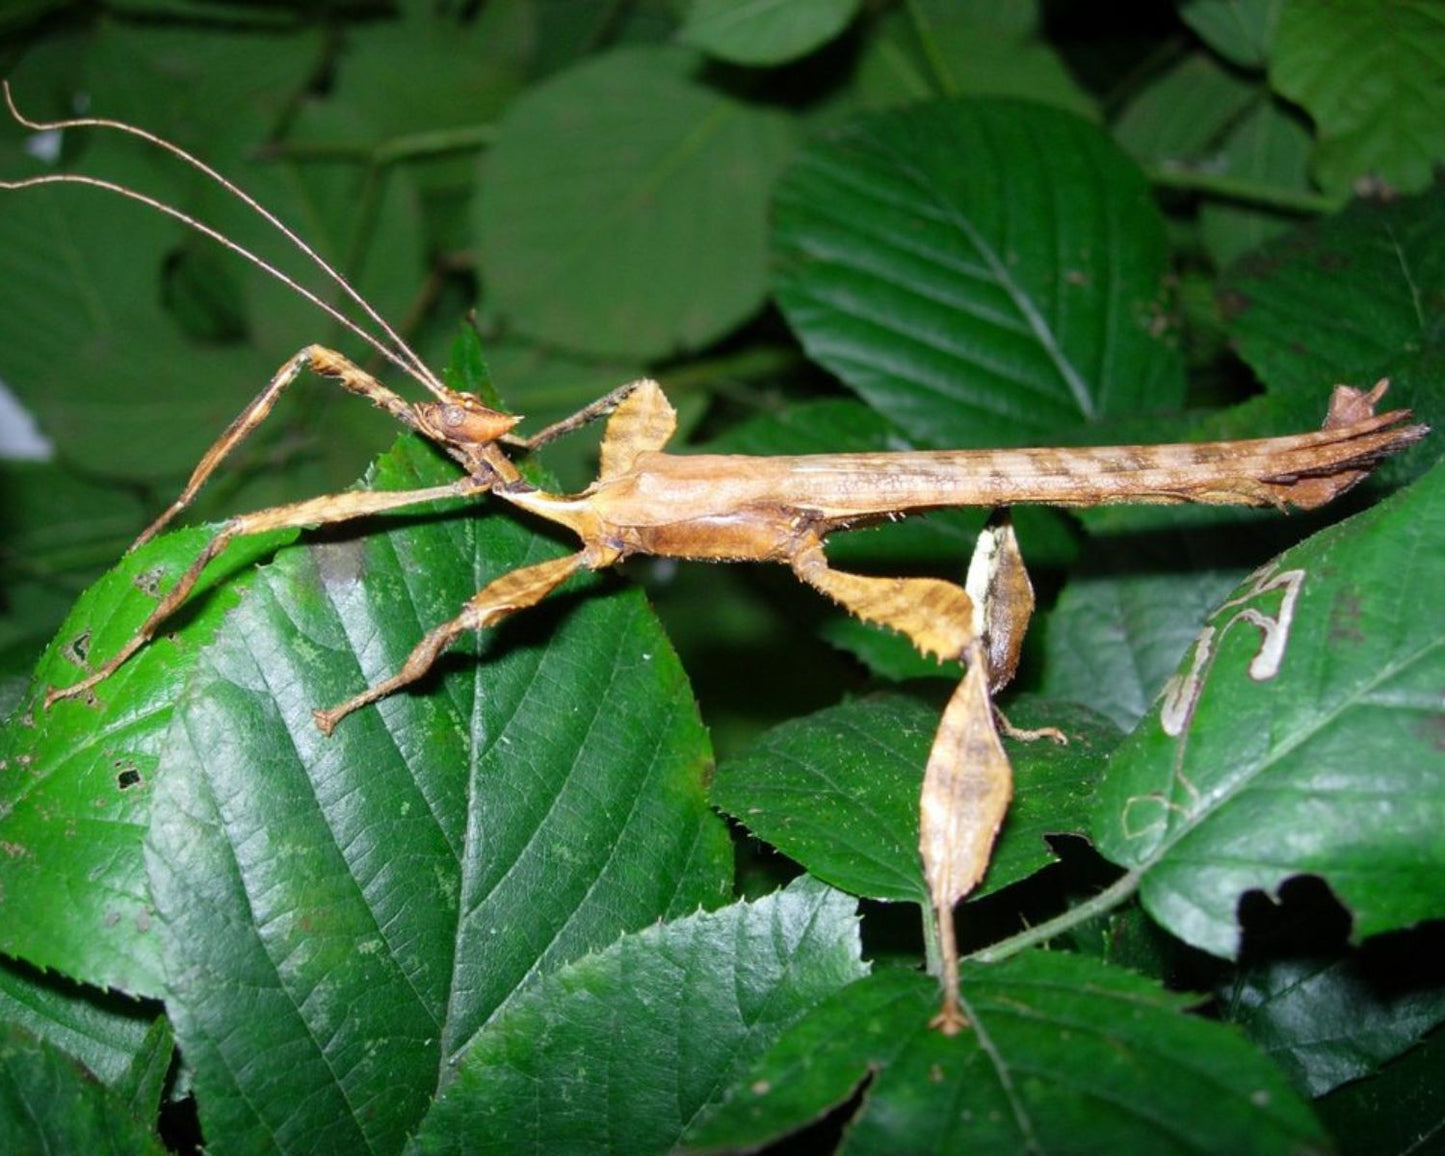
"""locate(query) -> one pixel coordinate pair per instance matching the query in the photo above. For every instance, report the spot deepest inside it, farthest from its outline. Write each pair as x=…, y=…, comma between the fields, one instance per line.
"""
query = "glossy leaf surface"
x=1298, y=737
x=968, y=299
x=1065, y=1055
x=630, y=1047
x=80, y=779
x=838, y=791
x=340, y=915
x=49, y=1103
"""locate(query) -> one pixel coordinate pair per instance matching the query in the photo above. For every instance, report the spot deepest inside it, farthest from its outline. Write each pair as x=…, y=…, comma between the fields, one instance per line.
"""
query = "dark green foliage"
x=501, y=911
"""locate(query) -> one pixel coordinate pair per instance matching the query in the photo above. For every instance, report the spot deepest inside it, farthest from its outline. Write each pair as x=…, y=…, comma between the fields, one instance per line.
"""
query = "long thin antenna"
x=399, y=353
x=216, y=235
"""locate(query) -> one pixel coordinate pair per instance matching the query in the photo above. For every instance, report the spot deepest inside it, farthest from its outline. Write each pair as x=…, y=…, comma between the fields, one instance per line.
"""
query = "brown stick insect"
x=776, y=509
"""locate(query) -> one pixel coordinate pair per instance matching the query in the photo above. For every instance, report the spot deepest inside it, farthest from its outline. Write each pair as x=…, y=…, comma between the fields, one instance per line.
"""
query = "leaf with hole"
x=340, y=915
x=80, y=779
x=1300, y=735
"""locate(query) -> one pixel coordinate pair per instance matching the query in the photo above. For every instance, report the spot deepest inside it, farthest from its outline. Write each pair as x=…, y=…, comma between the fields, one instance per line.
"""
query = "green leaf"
x=203, y=91
x=74, y=297
x=1113, y=639
x=49, y=1103
x=471, y=69
x=58, y=530
x=1368, y=287
x=1316, y=757
x=929, y=258
x=1372, y=76
x=100, y=315
x=964, y=48
x=1065, y=1055
x=103, y=1031
x=1268, y=145
x=80, y=778
x=340, y=915
x=1203, y=115
x=1183, y=115
x=1241, y=31
x=1328, y=1019
x=623, y=207
x=628, y=1048
x=838, y=792
x=1399, y=1111
x=764, y=31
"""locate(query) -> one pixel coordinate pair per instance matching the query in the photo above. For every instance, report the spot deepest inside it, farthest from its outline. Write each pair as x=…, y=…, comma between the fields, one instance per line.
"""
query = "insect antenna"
x=394, y=349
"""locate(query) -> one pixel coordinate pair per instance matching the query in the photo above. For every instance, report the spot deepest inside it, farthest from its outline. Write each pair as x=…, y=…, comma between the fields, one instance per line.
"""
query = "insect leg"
x=603, y=406
x=321, y=360
x=324, y=510
x=937, y=616
x=500, y=598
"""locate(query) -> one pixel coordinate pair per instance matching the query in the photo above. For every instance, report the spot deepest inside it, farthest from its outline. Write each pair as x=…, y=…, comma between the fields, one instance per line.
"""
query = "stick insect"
x=744, y=508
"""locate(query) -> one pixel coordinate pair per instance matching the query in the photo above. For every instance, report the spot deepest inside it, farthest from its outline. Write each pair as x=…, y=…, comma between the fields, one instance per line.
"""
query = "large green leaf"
x=838, y=792
x=1373, y=77
x=764, y=31
x=1300, y=736
x=627, y=1049
x=983, y=273
x=80, y=778
x=340, y=915
x=1064, y=1054
x=623, y=207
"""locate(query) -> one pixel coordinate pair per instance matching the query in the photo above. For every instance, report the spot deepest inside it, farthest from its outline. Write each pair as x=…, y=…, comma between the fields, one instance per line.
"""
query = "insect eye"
x=454, y=415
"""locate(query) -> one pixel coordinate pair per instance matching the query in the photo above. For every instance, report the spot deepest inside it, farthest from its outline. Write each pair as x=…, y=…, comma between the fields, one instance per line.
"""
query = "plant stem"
x=1105, y=900
x=932, y=949
x=401, y=148
x=435, y=143
x=1246, y=191
x=742, y=364
x=936, y=64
